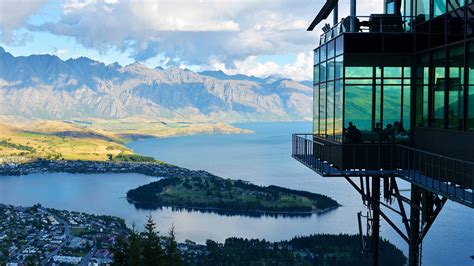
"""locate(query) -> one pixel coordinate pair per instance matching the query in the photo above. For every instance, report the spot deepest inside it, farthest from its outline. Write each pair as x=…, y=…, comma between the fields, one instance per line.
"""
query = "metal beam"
x=432, y=219
x=387, y=219
x=400, y=205
x=323, y=13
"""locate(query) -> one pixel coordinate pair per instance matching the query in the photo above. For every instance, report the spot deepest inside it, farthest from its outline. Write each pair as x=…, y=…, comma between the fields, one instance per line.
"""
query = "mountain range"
x=46, y=87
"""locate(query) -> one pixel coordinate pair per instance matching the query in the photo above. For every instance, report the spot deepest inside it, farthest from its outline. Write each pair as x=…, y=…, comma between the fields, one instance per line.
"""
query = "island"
x=208, y=192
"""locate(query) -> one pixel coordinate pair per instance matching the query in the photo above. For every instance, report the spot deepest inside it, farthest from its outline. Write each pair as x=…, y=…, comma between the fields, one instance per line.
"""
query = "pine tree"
x=152, y=251
x=134, y=252
x=121, y=252
x=173, y=257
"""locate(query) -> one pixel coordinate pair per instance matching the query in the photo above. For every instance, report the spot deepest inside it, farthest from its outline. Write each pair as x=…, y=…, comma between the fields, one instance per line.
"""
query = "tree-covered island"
x=209, y=192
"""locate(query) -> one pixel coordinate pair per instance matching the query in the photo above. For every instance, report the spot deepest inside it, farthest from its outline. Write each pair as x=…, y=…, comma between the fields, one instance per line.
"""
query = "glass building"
x=394, y=99
x=418, y=72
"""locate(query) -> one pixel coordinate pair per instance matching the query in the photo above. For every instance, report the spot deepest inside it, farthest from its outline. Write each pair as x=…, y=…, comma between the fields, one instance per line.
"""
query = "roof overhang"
x=323, y=13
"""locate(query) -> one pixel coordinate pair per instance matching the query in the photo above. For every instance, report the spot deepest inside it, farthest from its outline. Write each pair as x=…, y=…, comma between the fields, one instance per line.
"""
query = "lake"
x=263, y=158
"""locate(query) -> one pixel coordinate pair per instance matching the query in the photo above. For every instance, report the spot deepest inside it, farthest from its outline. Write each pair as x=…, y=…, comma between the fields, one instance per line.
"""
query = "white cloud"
x=13, y=16
x=300, y=69
x=60, y=52
x=191, y=30
x=231, y=33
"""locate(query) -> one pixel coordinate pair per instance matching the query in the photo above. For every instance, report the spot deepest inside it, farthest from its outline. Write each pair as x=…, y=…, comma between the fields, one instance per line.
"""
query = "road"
x=67, y=233
x=85, y=260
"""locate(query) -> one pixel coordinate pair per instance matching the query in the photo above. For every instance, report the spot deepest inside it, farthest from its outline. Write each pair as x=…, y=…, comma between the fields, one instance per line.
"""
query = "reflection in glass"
x=322, y=72
x=330, y=48
x=330, y=109
x=316, y=56
x=439, y=7
x=392, y=102
x=423, y=9
x=358, y=72
x=322, y=108
x=406, y=107
x=338, y=107
x=358, y=106
x=339, y=67
x=339, y=45
x=470, y=118
x=316, y=74
x=316, y=109
x=330, y=67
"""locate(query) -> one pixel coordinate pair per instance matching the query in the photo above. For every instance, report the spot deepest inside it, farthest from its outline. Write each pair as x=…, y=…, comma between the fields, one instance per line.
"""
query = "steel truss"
x=424, y=208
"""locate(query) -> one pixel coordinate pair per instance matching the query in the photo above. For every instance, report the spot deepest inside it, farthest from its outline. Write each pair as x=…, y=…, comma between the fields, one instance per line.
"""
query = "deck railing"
x=369, y=24
x=448, y=176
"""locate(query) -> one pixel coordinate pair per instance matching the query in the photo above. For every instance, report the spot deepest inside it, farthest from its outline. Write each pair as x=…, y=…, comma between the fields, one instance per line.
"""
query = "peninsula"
x=212, y=193
x=185, y=188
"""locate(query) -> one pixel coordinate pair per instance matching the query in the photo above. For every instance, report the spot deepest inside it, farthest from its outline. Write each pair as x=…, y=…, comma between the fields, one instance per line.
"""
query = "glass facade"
x=437, y=91
x=363, y=95
x=443, y=94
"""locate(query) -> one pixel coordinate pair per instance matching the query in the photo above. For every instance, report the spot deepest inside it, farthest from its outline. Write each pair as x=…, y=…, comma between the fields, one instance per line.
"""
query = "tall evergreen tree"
x=134, y=254
x=173, y=257
x=152, y=251
x=121, y=252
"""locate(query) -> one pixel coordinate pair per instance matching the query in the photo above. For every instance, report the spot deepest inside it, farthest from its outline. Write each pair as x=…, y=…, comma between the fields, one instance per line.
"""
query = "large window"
x=316, y=109
x=470, y=117
x=438, y=88
x=330, y=109
x=423, y=9
x=439, y=7
x=358, y=107
x=392, y=102
x=328, y=88
x=456, y=87
x=322, y=108
x=338, y=107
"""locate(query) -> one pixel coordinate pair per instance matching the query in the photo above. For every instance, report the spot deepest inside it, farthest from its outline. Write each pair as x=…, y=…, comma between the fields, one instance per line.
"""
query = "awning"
x=323, y=14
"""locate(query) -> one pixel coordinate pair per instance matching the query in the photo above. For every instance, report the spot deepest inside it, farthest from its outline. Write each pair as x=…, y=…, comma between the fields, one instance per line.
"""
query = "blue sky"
x=253, y=37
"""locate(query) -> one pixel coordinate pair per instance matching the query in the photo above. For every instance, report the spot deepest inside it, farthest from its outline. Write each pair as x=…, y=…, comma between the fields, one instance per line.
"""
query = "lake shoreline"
x=152, y=169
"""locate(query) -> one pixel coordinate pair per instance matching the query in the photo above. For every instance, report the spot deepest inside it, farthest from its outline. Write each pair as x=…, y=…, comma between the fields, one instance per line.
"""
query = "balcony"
x=375, y=23
x=328, y=157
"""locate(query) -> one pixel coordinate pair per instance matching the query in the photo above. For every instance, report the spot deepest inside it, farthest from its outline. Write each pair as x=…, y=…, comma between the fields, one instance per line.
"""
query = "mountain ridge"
x=47, y=87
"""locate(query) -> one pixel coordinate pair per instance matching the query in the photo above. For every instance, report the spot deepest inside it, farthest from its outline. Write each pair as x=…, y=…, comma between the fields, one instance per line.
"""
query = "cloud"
x=60, y=52
x=299, y=70
x=232, y=33
x=195, y=31
x=13, y=16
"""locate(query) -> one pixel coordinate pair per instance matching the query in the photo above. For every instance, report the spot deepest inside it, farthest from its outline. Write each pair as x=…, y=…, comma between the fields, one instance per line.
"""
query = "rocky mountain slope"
x=44, y=86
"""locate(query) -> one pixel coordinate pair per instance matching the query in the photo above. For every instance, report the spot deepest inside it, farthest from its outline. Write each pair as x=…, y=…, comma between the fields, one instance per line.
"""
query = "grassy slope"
x=23, y=140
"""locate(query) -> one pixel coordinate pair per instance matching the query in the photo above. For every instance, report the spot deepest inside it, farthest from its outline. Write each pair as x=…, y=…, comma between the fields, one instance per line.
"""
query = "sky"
x=251, y=37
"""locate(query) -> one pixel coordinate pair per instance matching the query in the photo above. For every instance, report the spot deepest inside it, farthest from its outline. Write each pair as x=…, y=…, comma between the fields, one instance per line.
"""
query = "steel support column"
x=414, y=245
x=375, y=203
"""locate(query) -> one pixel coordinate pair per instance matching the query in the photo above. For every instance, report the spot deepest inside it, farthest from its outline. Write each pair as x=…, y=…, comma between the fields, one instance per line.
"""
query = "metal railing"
x=444, y=175
x=365, y=24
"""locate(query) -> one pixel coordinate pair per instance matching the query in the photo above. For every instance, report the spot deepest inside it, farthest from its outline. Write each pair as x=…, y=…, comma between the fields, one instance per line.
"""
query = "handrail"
x=365, y=26
x=439, y=155
x=381, y=142
x=451, y=177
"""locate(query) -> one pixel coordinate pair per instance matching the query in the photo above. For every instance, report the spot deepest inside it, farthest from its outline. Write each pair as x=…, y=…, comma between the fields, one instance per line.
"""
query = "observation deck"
x=329, y=157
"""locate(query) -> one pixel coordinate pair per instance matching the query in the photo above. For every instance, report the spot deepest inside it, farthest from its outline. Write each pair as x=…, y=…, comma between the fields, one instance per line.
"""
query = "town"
x=154, y=168
x=32, y=235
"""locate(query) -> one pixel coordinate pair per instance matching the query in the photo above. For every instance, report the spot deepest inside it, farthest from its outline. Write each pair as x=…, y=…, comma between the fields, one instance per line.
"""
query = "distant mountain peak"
x=44, y=86
x=115, y=65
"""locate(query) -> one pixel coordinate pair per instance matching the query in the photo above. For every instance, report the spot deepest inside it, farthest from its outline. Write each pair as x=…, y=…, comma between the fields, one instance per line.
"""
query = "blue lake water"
x=262, y=158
